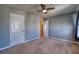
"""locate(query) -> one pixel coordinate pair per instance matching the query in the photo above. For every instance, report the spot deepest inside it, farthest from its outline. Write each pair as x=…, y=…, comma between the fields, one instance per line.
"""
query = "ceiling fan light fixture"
x=44, y=10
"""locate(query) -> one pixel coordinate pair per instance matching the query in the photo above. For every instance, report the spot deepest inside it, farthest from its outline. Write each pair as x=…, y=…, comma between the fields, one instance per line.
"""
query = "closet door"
x=17, y=28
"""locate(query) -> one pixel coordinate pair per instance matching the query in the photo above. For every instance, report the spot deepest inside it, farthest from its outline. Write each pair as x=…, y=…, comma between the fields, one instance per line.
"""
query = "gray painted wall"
x=31, y=26
x=62, y=26
x=4, y=27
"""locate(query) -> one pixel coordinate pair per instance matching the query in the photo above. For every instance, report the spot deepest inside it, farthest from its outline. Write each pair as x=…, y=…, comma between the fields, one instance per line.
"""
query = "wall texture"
x=4, y=27
x=31, y=25
x=62, y=26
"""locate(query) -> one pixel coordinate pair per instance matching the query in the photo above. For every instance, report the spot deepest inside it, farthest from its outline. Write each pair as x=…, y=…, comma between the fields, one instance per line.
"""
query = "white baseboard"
x=5, y=48
x=20, y=43
x=31, y=39
x=64, y=40
x=38, y=38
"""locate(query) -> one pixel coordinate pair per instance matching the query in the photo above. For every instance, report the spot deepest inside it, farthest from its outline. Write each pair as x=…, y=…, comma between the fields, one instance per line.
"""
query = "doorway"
x=43, y=28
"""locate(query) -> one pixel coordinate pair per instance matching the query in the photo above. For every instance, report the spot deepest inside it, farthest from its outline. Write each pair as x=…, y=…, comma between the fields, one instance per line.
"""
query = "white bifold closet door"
x=17, y=28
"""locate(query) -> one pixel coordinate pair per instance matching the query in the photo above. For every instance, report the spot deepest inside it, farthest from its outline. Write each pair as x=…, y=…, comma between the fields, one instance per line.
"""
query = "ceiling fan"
x=44, y=8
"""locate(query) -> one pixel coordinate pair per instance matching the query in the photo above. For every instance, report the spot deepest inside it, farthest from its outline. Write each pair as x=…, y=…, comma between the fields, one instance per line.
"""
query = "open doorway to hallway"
x=43, y=28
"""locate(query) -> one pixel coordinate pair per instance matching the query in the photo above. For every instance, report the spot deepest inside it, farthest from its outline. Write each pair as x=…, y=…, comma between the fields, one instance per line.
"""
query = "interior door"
x=17, y=29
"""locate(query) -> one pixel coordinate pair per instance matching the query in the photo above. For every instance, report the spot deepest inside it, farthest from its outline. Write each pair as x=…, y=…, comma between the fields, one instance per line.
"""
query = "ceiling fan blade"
x=50, y=8
x=43, y=6
x=38, y=10
x=45, y=12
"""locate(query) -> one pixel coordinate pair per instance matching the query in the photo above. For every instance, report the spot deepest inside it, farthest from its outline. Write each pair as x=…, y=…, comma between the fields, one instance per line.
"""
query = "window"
x=77, y=28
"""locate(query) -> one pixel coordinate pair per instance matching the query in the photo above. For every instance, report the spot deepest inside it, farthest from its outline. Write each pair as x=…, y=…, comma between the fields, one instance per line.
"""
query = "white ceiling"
x=59, y=8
